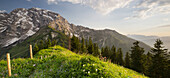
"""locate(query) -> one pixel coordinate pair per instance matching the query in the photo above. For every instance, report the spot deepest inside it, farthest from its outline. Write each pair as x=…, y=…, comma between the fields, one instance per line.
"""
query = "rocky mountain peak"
x=22, y=23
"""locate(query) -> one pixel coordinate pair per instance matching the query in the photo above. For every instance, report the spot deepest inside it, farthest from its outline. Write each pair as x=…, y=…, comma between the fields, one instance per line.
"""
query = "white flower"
x=84, y=70
x=34, y=64
x=93, y=64
x=88, y=72
x=96, y=70
x=83, y=65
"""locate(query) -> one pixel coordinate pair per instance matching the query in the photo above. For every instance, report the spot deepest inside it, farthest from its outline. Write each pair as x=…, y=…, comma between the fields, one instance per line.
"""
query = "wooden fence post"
x=31, y=52
x=9, y=65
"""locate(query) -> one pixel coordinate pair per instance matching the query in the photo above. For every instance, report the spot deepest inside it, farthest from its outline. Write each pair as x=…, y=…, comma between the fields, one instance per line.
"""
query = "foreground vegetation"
x=59, y=62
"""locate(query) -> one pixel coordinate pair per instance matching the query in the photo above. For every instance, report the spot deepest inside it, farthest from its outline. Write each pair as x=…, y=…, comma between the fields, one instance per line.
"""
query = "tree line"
x=155, y=64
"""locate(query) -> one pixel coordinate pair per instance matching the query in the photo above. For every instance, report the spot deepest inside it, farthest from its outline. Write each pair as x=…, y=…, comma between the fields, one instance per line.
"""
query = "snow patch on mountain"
x=2, y=29
x=30, y=33
x=2, y=11
x=23, y=19
x=48, y=17
x=11, y=41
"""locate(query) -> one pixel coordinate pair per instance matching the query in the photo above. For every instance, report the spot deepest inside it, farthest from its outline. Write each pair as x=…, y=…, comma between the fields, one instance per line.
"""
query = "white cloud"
x=29, y=0
x=102, y=6
x=148, y=8
x=52, y=2
x=2, y=11
x=166, y=19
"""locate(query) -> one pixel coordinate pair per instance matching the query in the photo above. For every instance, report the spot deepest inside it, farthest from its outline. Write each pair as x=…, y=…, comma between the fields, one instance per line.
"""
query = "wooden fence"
x=9, y=63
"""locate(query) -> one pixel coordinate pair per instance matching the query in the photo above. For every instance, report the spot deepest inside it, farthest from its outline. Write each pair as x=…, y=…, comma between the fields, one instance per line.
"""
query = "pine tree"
x=54, y=42
x=147, y=62
x=69, y=42
x=137, y=57
x=96, y=50
x=105, y=51
x=73, y=44
x=49, y=42
x=36, y=48
x=90, y=46
x=113, y=56
x=102, y=51
x=83, y=47
x=41, y=45
x=120, y=57
x=127, y=60
x=78, y=45
x=158, y=69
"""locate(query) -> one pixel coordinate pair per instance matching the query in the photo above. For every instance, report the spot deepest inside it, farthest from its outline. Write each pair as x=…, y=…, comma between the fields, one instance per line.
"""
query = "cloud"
x=2, y=11
x=164, y=26
x=102, y=6
x=52, y=2
x=148, y=8
x=166, y=19
x=29, y=0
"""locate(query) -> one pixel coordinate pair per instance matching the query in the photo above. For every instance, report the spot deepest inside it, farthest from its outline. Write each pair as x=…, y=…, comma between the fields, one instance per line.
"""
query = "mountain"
x=59, y=62
x=150, y=40
x=24, y=26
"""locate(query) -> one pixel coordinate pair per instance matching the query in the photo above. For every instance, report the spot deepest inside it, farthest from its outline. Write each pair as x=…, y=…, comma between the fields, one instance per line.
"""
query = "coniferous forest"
x=154, y=64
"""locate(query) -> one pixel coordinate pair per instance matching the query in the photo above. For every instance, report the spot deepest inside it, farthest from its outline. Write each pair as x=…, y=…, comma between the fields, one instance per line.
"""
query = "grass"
x=58, y=62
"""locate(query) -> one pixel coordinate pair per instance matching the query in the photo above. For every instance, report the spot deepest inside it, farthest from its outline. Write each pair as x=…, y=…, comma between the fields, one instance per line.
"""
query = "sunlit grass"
x=60, y=62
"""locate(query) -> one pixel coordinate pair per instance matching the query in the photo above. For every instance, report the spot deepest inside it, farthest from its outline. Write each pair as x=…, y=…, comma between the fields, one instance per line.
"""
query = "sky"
x=143, y=17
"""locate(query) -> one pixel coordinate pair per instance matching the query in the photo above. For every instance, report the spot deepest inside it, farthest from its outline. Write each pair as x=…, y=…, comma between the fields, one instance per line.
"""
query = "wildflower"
x=83, y=70
x=96, y=70
x=50, y=69
x=93, y=64
x=34, y=64
x=88, y=72
x=15, y=74
x=83, y=65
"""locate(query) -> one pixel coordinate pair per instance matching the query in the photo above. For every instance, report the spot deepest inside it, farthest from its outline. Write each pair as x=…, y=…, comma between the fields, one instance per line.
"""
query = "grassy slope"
x=63, y=63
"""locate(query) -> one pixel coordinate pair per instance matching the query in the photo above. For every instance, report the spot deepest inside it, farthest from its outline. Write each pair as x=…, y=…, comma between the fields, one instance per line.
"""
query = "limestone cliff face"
x=22, y=23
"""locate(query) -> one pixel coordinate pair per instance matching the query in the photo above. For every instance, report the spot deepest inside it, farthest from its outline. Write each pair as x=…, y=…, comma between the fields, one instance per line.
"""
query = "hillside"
x=21, y=49
x=57, y=62
x=22, y=26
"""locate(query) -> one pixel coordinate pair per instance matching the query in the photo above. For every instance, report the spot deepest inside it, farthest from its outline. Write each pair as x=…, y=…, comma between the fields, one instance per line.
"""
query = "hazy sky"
x=145, y=17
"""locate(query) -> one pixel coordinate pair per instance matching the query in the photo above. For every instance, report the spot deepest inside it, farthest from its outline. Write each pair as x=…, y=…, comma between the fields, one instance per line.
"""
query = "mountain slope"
x=62, y=63
x=150, y=40
x=20, y=24
x=21, y=48
x=108, y=37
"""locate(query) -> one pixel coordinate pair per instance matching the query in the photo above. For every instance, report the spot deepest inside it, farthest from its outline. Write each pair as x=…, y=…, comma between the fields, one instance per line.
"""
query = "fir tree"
x=105, y=52
x=48, y=42
x=69, y=42
x=73, y=43
x=113, y=56
x=147, y=62
x=90, y=46
x=137, y=57
x=96, y=50
x=158, y=69
x=41, y=45
x=120, y=57
x=36, y=48
x=54, y=42
x=83, y=47
x=127, y=60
